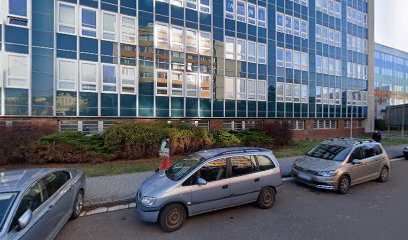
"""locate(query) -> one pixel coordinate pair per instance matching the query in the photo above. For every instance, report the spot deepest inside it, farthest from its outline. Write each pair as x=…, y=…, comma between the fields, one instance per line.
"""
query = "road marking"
x=397, y=159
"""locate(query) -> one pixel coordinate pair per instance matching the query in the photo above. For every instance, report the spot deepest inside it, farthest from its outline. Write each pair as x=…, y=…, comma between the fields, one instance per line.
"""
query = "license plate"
x=304, y=176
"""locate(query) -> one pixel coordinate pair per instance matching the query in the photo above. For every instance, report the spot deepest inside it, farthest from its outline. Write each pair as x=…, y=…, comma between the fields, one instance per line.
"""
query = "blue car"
x=36, y=203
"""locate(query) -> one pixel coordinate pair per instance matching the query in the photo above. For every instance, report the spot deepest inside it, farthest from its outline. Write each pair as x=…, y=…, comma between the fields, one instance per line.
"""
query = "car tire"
x=266, y=198
x=384, y=174
x=172, y=217
x=344, y=184
x=78, y=204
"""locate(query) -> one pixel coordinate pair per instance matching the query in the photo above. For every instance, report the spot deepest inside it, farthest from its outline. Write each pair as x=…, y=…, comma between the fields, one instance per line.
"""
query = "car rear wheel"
x=266, y=198
x=78, y=204
x=172, y=217
x=384, y=175
x=344, y=185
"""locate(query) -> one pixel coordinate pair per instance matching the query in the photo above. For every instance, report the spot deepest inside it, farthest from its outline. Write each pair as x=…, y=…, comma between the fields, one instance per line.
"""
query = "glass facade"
x=391, y=78
x=185, y=58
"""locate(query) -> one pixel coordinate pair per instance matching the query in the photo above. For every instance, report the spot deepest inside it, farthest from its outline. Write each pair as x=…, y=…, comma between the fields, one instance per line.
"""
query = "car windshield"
x=6, y=201
x=181, y=168
x=329, y=152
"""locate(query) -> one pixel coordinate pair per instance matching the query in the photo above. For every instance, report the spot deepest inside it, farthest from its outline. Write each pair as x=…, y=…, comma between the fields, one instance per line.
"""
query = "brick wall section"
x=215, y=124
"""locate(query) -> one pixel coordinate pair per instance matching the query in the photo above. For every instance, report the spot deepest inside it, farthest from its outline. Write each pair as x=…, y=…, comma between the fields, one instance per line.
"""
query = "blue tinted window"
x=88, y=22
x=18, y=7
x=109, y=75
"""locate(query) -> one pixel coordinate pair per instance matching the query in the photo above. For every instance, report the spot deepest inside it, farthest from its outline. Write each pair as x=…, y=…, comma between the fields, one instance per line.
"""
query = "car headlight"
x=148, y=201
x=406, y=148
x=327, y=173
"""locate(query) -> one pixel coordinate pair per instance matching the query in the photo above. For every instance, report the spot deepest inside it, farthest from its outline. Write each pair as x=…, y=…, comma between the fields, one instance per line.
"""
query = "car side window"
x=265, y=163
x=243, y=165
x=35, y=196
x=214, y=170
x=192, y=180
x=55, y=181
x=377, y=150
x=357, y=154
x=368, y=151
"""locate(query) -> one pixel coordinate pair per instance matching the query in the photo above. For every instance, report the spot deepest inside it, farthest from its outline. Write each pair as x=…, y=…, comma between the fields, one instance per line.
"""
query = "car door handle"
x=257, y=179
x=51, y=206
x=225, y=187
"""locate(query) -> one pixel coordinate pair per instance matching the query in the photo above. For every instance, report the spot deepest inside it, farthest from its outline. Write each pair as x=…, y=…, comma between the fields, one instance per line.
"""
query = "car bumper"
x=406, y=154
x=329, y=183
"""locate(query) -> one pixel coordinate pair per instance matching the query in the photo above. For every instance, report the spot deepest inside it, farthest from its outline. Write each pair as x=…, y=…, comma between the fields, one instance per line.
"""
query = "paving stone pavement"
x=107, y=189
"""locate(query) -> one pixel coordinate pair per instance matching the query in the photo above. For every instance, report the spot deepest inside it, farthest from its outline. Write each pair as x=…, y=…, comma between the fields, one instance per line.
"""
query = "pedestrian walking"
x=377, y=136
x=164, y=153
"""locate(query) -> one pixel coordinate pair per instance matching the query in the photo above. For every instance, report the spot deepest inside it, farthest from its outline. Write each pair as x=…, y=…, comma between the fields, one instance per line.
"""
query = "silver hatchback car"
x=206, y=181
x=337, y=164
x=36, y=203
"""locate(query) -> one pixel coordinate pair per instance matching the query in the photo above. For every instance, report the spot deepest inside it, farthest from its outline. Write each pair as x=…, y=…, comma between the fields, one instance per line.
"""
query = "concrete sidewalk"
x=107, y=189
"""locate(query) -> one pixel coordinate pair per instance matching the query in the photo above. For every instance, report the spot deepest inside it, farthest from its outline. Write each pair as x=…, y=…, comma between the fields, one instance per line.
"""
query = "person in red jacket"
x=165, y=154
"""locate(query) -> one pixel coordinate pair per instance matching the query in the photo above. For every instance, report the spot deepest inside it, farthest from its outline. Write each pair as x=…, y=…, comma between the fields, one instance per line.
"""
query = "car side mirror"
x=24, y=220
x=201, y=181
x=356, y=161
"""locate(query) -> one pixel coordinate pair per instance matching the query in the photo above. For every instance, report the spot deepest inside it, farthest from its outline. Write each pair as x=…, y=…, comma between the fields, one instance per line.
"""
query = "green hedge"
x=251, y=137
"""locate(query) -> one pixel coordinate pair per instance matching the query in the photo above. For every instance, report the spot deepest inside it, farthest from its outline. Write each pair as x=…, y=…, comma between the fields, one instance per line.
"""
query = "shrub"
x=280, y=132
x=133, y=140
x=250, y=138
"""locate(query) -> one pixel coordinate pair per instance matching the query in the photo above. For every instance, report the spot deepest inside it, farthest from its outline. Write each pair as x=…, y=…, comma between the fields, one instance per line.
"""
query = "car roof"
x=348, y=142
x=19, y=180
x=219, y=151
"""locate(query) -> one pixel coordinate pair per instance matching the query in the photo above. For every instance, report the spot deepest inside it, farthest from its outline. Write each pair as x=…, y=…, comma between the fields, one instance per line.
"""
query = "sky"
x=391, y=23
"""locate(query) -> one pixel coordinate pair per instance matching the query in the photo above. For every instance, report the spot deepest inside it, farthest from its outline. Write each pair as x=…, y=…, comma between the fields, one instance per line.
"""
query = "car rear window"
x=265, y=163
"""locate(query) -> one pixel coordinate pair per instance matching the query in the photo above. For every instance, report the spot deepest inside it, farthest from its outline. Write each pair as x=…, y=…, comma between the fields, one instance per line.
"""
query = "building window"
x=88, y=22
x=251, y=84
x=279, y=22
x=67, y=18
x=261, y=90
x=296, y=60
x=252, y=52
x=288, y=24
x=241, y=11
x=296, y=27
x=297, y=125
x=205, y=43
x=17, y=8
x=318, y=64
x=230, y=9
x=261, y=53
x=318, y=94
x=229, y=87
x=192, y=4
x=304, y=29
x=296, y=93
x=288, y=57
x=304, y=93
x=288, y=92
x=128, y=79
x=129, y=33
x=162, y=83
x=89, y=76
x=162, y=36
x=325, y=124
x=177, y=84
x=191, y=83
x=229, y=48
x=109, y=26
x=205, y=6
x=251, y=14
x=262, y=17
x=177, y=39
x=109, y=76
x=191, y=41
x=241, y=50
x=17, y=74
x=241, y=89
x=280, y=92
x=280, y=57
x=178, y=3
x=205, y=86
x=67, y=74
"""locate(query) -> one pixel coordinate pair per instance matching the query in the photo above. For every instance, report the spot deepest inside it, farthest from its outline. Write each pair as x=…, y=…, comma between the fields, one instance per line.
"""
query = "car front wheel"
x=172, y=217
x=78, y=205
x=344, y=184
x=266, y=198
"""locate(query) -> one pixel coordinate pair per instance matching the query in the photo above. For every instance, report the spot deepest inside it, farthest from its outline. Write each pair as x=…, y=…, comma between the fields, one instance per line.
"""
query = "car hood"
x=316, y=164
x=155, y=185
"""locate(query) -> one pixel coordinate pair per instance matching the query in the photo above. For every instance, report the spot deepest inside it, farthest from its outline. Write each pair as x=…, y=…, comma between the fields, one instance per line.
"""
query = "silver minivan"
x=209, y=180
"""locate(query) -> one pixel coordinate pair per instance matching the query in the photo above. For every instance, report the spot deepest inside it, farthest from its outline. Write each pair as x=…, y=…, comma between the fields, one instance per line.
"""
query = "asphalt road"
x=370, y=211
